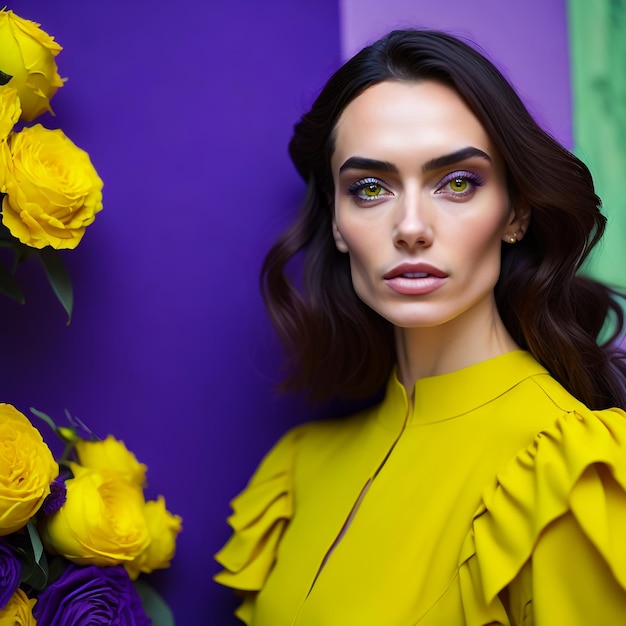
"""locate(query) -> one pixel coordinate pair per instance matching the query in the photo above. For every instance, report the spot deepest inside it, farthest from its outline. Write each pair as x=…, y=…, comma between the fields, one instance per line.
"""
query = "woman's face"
x=421, y=203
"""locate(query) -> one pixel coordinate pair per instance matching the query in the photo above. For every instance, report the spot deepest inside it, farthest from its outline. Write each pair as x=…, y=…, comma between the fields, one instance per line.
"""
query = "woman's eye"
x=459, y=184
x=368, y=189
x=372, y=190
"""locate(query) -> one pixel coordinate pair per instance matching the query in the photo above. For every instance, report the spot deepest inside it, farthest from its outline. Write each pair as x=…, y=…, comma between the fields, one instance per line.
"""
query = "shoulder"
x=260, y=514
x=572, y=475
x=263, y=509
x=312, y=436
x=537, y=390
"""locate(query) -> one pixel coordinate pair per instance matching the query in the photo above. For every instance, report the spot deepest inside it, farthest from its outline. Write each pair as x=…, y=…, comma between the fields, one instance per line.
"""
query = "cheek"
x=360, y=268
x=483, y=234
x=360, y=247
x=361, y=243
x=353, y=236
x=483, y=242
x=482, y=251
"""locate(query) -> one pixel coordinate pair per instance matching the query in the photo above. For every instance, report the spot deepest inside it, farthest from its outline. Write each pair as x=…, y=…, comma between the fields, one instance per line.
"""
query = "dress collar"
x=451, y=395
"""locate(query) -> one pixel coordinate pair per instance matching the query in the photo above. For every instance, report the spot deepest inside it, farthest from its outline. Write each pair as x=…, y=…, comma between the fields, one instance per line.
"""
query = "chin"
x=416, y=320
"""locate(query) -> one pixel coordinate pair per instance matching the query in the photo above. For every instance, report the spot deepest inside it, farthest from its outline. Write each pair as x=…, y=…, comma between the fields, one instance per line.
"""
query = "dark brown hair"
x=338, y=346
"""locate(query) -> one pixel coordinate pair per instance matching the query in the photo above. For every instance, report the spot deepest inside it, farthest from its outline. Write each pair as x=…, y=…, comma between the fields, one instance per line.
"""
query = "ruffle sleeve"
x=548, y=543
x=260, y=514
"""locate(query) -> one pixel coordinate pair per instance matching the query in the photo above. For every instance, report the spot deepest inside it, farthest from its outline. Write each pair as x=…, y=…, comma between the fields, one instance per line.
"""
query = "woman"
x=442, y=231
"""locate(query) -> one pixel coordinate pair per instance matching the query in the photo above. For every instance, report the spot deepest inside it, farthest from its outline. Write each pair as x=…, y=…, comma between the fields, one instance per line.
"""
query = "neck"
x=473, y=337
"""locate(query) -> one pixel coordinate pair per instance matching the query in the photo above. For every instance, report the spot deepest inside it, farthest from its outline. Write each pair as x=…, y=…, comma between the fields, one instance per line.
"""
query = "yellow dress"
x=499, y=499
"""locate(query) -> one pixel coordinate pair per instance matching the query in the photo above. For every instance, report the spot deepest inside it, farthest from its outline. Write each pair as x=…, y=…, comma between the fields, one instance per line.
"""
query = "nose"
x=414, y=223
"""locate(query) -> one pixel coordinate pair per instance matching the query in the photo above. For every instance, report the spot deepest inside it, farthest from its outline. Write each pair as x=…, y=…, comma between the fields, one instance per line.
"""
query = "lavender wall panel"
x=528, y=40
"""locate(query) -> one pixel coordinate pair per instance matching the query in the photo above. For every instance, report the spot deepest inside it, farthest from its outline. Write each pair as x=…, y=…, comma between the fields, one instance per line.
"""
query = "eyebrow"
x=454, y=157
x=363, y=163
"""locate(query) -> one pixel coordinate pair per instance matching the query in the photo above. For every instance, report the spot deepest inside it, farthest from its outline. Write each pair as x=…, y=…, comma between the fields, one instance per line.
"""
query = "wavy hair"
x=337, y=346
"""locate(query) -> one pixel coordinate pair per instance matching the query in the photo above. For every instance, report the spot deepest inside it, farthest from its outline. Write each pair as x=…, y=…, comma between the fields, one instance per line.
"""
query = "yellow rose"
x=9, y=111
x=28, y=56
x=163, y=528
x=9, y=114
x=27, y=468
x=102, y=521
x=5, y=159
x=53, y=191
x=18, y=611
x=111, y=454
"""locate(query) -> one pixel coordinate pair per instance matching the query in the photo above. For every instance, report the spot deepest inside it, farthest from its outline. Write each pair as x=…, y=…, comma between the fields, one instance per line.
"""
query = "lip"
x=414, y=268
x=415, y=279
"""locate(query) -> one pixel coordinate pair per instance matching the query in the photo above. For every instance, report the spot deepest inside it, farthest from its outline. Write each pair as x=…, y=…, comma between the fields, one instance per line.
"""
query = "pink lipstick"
x=415, y=279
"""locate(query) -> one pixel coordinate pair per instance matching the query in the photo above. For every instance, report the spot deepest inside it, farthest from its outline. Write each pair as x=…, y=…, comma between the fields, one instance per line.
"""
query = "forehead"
x=396, y=115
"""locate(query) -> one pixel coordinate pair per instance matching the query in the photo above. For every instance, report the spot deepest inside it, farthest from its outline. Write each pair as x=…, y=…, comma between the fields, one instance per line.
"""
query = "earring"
x=513, y=238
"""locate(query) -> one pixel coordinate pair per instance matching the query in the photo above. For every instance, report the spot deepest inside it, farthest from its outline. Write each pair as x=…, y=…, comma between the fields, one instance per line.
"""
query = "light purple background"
x=527, y=40
x=186, y=109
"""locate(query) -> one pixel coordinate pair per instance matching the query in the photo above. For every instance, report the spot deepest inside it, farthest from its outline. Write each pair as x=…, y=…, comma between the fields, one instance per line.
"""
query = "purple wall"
x=186, y=109
x=528, y=40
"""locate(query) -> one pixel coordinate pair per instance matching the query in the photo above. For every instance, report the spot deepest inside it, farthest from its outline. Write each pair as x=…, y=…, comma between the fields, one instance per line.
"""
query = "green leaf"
x=9, y=286
x=20, y=250
x=23, y=253
x=46, y=418
x=29, y=551
x=56, y=566
x=4, y=78
x=154, y=605
x=58, y=278
x=35, y=541
x=38, y=574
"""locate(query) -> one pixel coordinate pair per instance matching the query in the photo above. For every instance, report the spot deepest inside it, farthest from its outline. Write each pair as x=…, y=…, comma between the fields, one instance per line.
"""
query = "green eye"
x=368, y=189
x=458, y=184
x=372, y=190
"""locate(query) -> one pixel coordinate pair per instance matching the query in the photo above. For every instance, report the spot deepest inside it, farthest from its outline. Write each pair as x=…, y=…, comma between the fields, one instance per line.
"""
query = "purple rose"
x=91, y=596
x=56, y=498
x=10, y=572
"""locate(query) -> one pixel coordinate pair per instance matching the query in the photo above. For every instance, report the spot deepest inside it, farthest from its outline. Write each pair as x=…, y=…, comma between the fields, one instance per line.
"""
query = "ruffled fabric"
x=261, y=513
x=573, y=477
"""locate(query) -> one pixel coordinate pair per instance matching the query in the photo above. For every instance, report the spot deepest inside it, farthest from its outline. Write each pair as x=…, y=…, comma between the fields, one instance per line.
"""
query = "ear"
x=339, y=240
x=517, y=226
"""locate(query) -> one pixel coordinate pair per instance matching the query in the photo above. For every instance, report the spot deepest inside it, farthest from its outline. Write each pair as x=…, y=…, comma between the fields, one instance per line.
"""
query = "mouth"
x=415, y=279
x=417, y=271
